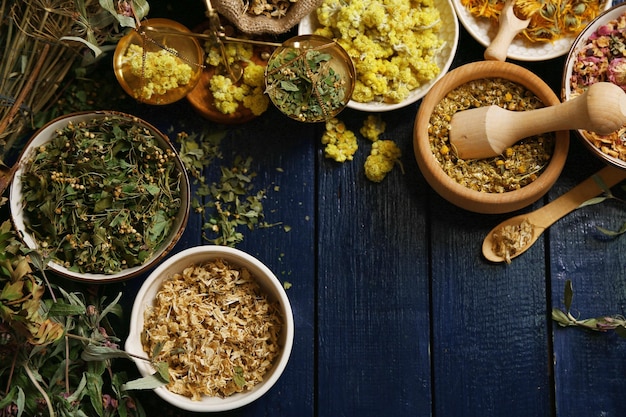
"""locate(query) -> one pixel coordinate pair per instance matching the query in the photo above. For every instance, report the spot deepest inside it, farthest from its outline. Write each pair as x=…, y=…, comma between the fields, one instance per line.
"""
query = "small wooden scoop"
x=542, y=218
x=485, y=132
x=510, y=26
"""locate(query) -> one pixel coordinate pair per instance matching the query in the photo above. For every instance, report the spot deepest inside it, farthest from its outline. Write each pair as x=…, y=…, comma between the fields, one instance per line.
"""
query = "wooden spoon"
x=510, y=26
x=485, y=132
x=542, y=218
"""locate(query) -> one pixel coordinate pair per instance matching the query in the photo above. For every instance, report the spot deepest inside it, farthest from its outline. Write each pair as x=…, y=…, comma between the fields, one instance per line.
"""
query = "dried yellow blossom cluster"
x=160, y=71
x=393, y=44
x=215, y=328
x=341, y=143
x=233, y=52
x=250, y=91
x=384, y=153
x=383, y=156
x=373, y=127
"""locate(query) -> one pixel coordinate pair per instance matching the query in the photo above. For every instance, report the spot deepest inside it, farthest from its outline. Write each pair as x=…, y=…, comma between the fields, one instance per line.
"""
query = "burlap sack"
x=234, y=11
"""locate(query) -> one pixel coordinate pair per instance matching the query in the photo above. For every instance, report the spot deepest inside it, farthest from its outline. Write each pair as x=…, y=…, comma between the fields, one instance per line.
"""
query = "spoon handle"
x=509, y=26
x=589, y=188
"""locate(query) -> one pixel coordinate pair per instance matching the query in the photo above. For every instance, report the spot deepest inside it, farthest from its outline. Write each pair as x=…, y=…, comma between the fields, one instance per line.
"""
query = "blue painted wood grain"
x=397, y=313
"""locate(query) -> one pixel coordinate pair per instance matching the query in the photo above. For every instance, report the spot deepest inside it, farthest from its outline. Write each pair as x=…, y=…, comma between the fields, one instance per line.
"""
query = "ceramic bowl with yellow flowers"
x=101, y=196
x=553, y=26
x=417, y=49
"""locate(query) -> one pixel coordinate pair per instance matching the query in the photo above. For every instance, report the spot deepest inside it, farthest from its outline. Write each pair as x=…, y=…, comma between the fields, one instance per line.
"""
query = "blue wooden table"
x=396, y=311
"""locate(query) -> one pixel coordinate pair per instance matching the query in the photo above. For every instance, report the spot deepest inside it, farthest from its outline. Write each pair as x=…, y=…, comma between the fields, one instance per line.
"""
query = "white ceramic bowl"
x=450, y=33
x=566, y=91
x=43, y=136
x=484, y=31
x=176, y=264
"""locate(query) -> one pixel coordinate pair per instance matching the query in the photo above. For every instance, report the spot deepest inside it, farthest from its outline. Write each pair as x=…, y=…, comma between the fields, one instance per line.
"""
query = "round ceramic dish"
x=176, y=264
x=458, y=194
x=484, y=31
x=43, y=136
x=566, y=91
x=450, y=33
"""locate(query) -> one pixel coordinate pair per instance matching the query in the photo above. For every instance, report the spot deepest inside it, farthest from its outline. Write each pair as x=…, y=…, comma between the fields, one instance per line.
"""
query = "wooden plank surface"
x=396, y=311
x=373, y=287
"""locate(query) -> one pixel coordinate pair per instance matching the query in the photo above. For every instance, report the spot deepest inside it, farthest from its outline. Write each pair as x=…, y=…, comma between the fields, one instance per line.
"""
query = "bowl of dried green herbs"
x=102, y=196
x=519, y=176
x=310, y=78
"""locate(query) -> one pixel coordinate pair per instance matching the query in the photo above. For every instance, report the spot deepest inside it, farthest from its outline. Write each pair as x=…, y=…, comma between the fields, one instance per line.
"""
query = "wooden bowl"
x=448, y=188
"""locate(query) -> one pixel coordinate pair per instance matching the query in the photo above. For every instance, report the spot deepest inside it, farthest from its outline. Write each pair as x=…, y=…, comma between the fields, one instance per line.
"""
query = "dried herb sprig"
x=232, y=202
x=228, y=204
x=565, y=318
x=606, y=195
x=102, y=195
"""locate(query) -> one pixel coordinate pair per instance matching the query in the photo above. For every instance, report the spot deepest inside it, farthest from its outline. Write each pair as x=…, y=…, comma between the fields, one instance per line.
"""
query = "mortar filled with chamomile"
x=509, y=181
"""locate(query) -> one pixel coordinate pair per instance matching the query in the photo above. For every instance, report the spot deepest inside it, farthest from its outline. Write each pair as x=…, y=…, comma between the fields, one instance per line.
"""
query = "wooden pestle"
x=485, y=132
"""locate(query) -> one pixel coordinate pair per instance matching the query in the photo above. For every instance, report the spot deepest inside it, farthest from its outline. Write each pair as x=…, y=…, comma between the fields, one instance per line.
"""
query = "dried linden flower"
x=215, y=328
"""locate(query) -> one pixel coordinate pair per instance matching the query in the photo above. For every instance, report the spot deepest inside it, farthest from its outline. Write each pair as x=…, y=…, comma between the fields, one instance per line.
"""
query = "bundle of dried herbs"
x=102, y=195
x=41, y=42
x=49, y=344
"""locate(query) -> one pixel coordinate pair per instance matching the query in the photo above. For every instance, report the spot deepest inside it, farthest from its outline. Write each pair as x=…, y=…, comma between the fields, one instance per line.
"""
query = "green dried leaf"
x=93, y=352
x=148, y=382
x=568, y=295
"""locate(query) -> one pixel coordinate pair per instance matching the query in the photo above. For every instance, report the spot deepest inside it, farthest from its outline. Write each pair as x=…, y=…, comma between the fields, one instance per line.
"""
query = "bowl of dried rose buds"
x=506, y=182
x=102, y=196
x=216, y=324
x=599, y=55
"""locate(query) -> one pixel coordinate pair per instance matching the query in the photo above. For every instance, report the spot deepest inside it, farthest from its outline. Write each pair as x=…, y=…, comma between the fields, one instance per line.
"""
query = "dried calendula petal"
x=216, y=329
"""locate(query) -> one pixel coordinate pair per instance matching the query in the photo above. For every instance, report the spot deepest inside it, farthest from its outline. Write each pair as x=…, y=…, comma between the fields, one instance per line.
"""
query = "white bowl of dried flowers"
x=217, y=322
x=388, y=74
x=598, y=56
x=102, y=196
